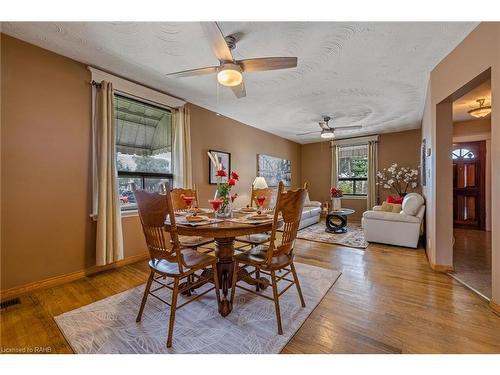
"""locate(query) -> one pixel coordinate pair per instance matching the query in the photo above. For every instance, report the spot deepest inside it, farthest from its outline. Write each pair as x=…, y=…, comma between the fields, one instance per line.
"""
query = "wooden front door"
x=468, y=185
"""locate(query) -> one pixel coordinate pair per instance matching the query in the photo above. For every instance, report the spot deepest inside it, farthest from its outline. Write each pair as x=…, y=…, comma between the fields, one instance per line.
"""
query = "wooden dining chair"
x=168, y=257
x=179, y=203
x=194, y=242
x=278, y=254
x=258, y=238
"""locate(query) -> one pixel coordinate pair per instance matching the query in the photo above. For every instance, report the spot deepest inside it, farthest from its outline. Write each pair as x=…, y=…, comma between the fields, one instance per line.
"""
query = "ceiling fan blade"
x=316, y=131
x=217, y=42
x=194, y=72
x=351, y=127
x=267, y=63
x=239, y=90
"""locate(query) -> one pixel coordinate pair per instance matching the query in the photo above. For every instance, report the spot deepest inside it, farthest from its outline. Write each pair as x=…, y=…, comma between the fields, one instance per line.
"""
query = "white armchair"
x=401, y=229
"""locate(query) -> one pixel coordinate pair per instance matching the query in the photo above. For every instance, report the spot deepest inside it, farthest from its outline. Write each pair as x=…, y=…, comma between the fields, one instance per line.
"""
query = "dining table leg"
x=224, y=251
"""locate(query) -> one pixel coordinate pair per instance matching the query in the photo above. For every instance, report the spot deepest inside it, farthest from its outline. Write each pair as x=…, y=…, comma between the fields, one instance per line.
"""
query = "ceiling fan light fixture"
x=327, y=134
x=230, y=75
x=481, y=111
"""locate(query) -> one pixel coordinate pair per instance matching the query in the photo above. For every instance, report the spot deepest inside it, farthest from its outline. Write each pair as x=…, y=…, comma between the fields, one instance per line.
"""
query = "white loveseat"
x=401, y=229
x=311, y=213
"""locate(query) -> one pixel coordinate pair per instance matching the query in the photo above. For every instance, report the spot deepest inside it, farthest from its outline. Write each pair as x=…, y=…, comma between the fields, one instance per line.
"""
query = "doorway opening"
x=471, y=163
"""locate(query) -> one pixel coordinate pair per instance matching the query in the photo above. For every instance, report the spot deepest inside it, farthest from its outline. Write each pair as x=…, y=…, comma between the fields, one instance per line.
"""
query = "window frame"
x=352, y=179
x=144, y=175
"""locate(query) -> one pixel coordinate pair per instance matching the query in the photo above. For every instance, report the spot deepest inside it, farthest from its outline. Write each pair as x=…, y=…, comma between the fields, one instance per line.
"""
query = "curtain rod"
x=95, y=84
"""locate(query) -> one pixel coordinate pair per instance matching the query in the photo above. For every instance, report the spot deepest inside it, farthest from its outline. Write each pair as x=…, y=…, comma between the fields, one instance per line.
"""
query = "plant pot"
x=336, y=204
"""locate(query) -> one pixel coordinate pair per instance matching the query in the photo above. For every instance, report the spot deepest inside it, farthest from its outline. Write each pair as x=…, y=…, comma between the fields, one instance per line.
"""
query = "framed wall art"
x=225, y=160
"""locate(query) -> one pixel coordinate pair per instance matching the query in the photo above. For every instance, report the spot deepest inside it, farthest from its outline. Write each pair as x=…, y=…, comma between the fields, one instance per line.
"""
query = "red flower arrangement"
x=221, y=173
x=235, y=176
x=336, y=193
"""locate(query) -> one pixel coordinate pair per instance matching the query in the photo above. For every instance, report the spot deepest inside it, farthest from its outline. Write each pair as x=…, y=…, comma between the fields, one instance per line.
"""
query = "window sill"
x=354, y=197
x=130, y=213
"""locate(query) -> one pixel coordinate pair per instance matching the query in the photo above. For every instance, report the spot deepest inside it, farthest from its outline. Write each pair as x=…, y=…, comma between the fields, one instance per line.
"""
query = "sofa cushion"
x=412, y=203
x=390, y=216
x=310, y=203
x=391, y=207
x=310, y=212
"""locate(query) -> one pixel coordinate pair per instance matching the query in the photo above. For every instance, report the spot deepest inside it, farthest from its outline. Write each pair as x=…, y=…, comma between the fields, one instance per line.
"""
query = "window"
x=462, y=153
x=143, y=147
x=352, y=169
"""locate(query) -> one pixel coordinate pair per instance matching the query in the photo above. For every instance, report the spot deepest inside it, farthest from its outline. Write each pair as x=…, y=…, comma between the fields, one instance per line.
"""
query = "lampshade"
x=259, y=183
x=230, y=75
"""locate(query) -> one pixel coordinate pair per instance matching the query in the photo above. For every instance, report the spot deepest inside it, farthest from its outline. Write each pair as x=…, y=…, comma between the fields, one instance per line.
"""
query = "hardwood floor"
x=472, y=259
x=387, y=300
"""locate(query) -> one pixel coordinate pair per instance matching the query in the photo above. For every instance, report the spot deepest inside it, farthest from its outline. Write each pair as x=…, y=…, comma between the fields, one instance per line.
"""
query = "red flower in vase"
x=221, y=173
x=231, y=182
x=233, y=197
x=216, y=203
x=336, y=193
x=235, y=176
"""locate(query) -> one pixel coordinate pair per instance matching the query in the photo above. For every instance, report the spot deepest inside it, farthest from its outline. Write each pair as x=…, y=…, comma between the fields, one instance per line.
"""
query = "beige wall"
x=212, y=132
x=479, y=51
x=400, y=147
x=45, y=159
x=46, y=130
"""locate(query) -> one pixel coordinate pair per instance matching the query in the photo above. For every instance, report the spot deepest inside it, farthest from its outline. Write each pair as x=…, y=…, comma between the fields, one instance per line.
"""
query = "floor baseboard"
x=58, y=280
x=495, y=307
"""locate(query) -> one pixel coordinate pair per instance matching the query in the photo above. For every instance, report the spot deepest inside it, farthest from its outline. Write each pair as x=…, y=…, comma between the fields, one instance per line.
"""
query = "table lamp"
x=259, y=183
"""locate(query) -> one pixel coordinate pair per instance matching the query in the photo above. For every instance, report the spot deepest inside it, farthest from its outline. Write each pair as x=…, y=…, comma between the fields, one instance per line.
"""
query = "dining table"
x=224, y=233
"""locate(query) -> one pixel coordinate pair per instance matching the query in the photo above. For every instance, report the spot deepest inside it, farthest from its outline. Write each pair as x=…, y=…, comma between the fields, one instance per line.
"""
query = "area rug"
x=108, y=325
x=355, y=237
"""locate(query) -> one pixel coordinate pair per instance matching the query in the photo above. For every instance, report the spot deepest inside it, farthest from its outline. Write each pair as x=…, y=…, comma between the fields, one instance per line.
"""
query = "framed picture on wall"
x=274, y=170
x=225, y=160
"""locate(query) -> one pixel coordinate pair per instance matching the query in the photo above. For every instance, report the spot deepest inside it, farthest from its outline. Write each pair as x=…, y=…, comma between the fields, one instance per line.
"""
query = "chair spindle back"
x=153, y=210
x=269, y=193
x=179, y=203
x=289, y=205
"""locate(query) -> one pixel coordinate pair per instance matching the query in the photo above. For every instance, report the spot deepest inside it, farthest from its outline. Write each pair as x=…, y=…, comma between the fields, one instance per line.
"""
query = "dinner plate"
x=259, y=217
x=196, y=219
x=248, y=209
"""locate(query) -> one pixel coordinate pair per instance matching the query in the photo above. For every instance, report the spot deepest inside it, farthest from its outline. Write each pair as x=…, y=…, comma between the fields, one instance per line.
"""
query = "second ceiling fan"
x=229, y=71
x=327, y=131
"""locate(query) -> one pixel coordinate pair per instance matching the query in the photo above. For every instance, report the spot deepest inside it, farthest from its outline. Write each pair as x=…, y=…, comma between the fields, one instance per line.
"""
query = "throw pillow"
x=394, y=200
x=391, y=207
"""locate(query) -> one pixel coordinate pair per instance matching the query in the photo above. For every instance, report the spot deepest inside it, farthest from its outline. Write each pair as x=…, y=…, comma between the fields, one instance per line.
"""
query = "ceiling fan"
x=229, y=71
x=327, y=131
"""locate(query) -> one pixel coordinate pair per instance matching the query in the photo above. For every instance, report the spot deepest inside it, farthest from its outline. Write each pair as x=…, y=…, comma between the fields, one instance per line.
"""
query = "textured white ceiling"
x=463, y=105
x=369, y=74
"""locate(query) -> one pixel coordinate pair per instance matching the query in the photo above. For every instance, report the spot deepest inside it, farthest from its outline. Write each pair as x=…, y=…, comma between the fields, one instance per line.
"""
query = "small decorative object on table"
x=398, y=179
x=336, y=194
x=223, y=193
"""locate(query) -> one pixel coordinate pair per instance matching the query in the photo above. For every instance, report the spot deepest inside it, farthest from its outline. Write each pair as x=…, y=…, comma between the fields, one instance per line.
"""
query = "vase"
x=225, y=209
x=336, y=204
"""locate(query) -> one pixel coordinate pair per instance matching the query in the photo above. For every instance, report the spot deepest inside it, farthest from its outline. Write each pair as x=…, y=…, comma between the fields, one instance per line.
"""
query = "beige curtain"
x=333, y=179
x=183, y=172
x=109, y=239
x=372, y=174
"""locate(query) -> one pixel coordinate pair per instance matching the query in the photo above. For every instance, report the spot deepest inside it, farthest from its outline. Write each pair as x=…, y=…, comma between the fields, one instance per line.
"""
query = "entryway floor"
x=472, y=259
